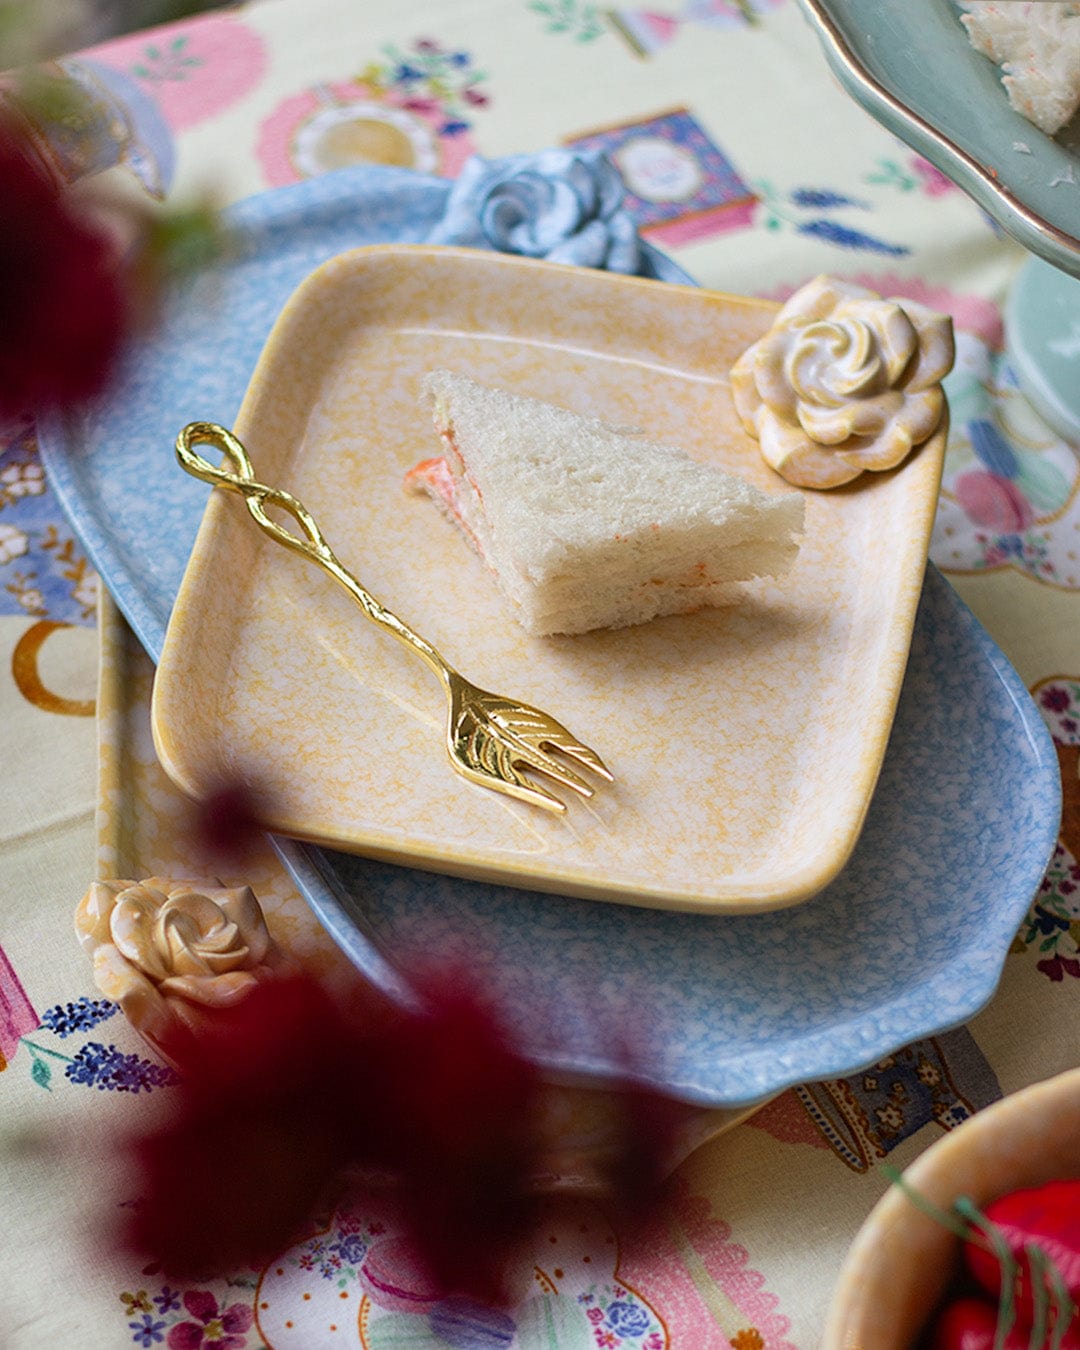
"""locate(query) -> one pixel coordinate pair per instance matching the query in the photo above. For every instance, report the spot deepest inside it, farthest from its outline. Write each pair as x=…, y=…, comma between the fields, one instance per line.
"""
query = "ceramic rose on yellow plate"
x=173, y=952
x=844, y=381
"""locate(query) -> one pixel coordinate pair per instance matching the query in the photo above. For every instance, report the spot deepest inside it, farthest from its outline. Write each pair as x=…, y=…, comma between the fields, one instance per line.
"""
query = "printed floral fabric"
x=736, y=153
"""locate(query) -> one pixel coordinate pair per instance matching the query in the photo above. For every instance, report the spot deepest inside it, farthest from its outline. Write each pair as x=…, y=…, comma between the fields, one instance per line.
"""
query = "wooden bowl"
x=902, y=1260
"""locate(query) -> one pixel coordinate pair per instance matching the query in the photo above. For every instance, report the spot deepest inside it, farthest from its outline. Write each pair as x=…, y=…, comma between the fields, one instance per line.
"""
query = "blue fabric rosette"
x=562, y=205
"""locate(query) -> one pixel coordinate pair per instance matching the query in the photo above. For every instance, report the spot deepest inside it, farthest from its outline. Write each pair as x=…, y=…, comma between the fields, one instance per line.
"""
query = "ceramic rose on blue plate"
x=562, y=205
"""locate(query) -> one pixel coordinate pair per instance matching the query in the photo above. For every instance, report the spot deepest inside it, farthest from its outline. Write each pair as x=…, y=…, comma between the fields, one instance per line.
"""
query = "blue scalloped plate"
x=909, y=940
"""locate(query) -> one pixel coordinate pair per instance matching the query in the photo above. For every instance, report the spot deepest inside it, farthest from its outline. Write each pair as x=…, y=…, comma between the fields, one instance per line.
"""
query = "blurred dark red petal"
x=228, y=824
x=63, y=308
x=226, y=1190
x=294, y=1089
x=259, y=1129
x=646, y=1129
x=464, y=1106
x=641, y=1164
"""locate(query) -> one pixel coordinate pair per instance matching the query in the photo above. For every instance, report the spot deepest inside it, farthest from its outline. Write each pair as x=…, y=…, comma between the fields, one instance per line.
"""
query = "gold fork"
x=490, y=739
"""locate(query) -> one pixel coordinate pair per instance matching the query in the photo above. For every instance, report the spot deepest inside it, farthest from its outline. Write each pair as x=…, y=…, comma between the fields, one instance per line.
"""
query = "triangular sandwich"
x=588, y=526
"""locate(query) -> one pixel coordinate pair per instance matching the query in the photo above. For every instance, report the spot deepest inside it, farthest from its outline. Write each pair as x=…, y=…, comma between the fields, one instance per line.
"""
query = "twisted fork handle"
x=310, y=543
x=491, y=740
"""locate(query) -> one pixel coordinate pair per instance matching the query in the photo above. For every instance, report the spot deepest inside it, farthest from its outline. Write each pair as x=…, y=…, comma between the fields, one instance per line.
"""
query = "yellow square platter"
x=745, y=741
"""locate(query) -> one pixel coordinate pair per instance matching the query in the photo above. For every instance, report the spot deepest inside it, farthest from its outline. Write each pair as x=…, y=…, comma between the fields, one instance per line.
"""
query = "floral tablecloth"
x=747, y=164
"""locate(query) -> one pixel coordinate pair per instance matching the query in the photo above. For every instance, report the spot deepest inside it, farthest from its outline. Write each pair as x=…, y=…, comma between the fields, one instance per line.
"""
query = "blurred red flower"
x=461, y=1135
x=298, y=1094
x=227, y=824
x=294, y=1091
x=63, y=307
x=260, y=1126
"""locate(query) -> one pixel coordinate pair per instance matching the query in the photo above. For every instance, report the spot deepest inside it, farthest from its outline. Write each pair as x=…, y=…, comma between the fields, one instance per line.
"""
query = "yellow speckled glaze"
x=745, y=742
x=144, y=825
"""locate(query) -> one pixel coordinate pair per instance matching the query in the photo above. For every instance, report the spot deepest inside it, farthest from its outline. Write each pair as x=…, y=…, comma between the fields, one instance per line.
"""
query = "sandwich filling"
x=585, y=525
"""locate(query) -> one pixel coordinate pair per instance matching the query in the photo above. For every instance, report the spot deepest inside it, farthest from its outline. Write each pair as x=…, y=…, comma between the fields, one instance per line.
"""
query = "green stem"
x=1050, y=1295
x=942, y=1216
x=34, y=1048
x=1006, y=1316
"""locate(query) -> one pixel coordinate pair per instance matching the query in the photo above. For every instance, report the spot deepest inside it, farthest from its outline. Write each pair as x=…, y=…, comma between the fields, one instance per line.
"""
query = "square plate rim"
x=799, y=884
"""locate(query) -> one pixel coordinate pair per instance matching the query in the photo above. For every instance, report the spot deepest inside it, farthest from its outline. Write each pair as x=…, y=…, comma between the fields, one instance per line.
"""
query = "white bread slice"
x=589, y=526
x=1037, y=46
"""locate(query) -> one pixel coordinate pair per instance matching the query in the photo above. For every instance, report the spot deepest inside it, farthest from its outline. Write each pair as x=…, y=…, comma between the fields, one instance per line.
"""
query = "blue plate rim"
x=831, y=1059
x=754, y=1083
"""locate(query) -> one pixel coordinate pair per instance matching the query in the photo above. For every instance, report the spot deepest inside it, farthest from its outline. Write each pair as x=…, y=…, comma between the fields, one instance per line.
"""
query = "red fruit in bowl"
x=971, y=1324
x=1047, y=1216
x=968, y=1324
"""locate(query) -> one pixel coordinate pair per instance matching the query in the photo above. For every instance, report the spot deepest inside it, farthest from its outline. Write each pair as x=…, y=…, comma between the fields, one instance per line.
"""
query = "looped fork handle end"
x=256, y=495
x=210, y=433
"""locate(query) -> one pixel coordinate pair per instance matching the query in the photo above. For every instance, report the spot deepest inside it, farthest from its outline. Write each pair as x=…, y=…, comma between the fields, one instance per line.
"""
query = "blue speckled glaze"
x=908, y=941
